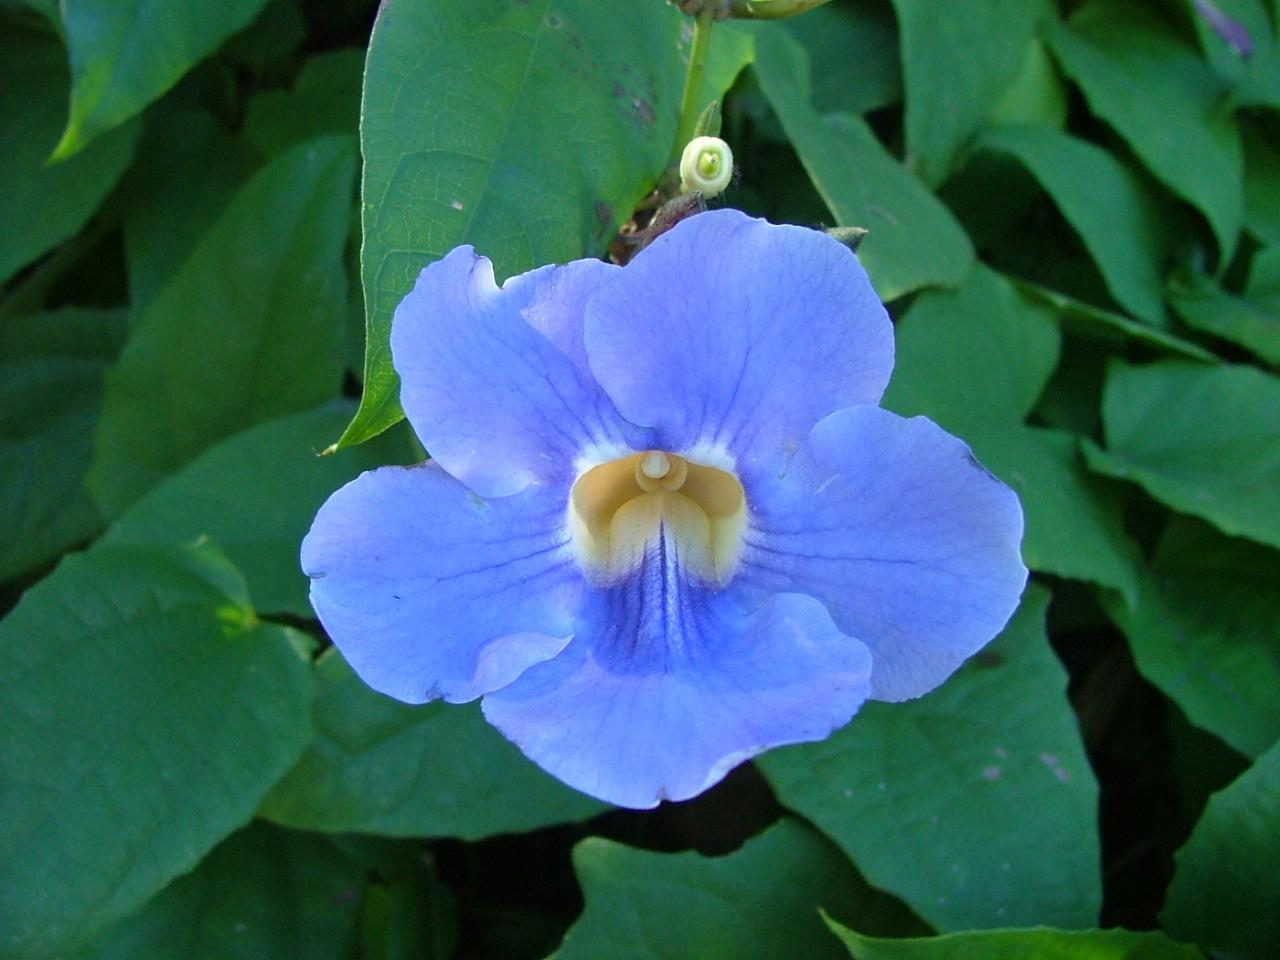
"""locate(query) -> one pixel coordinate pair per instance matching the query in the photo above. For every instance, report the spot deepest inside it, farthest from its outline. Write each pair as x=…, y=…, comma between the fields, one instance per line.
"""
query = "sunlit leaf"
x=384, y=767
x=1041, y=943
x=974, y=360
x=1111, y=210
x=957, y=61
x=144, y=712
x=532, y=131
x=974, y=804
x=255, y=494
x=126, y=53
x=1139, y=76
x=914, y=240
x=1200, y=439
x=760, y=902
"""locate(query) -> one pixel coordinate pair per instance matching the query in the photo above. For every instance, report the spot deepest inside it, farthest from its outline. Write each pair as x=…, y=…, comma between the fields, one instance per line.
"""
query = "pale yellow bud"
x=706, y=165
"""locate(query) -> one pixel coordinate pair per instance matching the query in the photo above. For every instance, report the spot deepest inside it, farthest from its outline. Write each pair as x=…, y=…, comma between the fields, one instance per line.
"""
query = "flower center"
x=621, y=509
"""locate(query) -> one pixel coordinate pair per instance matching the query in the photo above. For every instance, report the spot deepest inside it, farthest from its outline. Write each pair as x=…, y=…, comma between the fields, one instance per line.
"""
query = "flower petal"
x=658, y=697
x=730, y=331
x=485, y=379
x=430, y=591
x=911, y=544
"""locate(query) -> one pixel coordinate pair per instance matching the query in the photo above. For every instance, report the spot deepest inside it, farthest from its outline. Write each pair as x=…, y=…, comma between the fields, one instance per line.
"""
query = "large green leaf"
x=1224, y=892
x=957, y=60
x=530, y=130
x=914, y=240
x=51, y=368
x=853, y=48
x=41, y=205
x=760, y=902
x=255, y=494
x=144, y=712
x=975, y=804
x=1251, y=321
x=1140, y=77
x=1111, y=210
x=974, y=360
x=1206, y=631
x=1200, y=439
x=1040, y=943
x=262, y=894
x=125, y=53
x=250, y=327
x=1092, y=322
x=384, y=767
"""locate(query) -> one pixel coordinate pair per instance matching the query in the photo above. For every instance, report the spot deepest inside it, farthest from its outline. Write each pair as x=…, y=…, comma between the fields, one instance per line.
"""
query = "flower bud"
x=706, y=166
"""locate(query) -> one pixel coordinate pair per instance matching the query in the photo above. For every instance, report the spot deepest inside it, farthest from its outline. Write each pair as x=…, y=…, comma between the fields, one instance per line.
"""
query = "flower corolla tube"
x=665, y=525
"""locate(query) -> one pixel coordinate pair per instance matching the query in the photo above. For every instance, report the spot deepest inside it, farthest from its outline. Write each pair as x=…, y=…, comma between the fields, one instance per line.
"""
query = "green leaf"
x=760, y=902
x=957, y=60
x=255, y=494
x=532, y=132
x=914, y=240
x=1206, y=631
x=1255, y=77
x=126, y=53
x=384, y=767
x=325, y=99
x=1095, y=323
x=974, y=804
x=1205, y=306
x=1115, y=216
x=144, y=712
x=1139, y=76
x=1037, y=96
x=1223, y=892
x=51, y=369
x=262, y=893
x=1261, y=183
x=853, y=47
x=250, y=328
x=1226, y=59
x=974, y=360
x=40, y=205
x=1041, y=943
x=188, y=170
x=1201, y=440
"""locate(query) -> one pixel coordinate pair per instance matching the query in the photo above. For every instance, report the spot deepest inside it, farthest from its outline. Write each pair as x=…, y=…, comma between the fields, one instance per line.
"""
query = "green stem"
x=693, y=79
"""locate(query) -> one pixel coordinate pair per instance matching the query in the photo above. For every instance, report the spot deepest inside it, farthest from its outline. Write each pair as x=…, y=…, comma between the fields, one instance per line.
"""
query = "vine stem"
x=693, y=79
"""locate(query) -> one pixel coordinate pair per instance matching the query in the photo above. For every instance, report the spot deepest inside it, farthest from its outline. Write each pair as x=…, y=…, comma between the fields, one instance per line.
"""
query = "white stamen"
x=655, y=465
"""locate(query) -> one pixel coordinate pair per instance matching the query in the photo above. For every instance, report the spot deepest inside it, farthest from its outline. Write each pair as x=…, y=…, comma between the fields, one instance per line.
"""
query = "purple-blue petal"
x=734, y=332
x=666, y=687
x=484, y=379
x=910, y=543
x=430, y=591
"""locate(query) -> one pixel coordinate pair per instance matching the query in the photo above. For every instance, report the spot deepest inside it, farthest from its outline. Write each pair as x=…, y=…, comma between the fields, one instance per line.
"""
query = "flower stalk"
x=689, y=111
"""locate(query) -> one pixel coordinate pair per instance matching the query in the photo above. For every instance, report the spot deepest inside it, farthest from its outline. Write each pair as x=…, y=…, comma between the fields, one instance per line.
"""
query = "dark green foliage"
x=1074, y=216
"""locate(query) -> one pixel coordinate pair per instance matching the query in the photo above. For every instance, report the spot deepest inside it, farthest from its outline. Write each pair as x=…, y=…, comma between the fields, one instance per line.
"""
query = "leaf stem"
x=693, y=79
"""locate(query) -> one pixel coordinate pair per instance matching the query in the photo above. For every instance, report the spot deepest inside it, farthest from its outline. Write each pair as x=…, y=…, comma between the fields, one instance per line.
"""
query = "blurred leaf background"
x=1075, y=220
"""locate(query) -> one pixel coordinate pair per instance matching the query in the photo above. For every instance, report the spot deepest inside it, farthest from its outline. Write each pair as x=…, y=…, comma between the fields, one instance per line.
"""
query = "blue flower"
x=665, y=525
